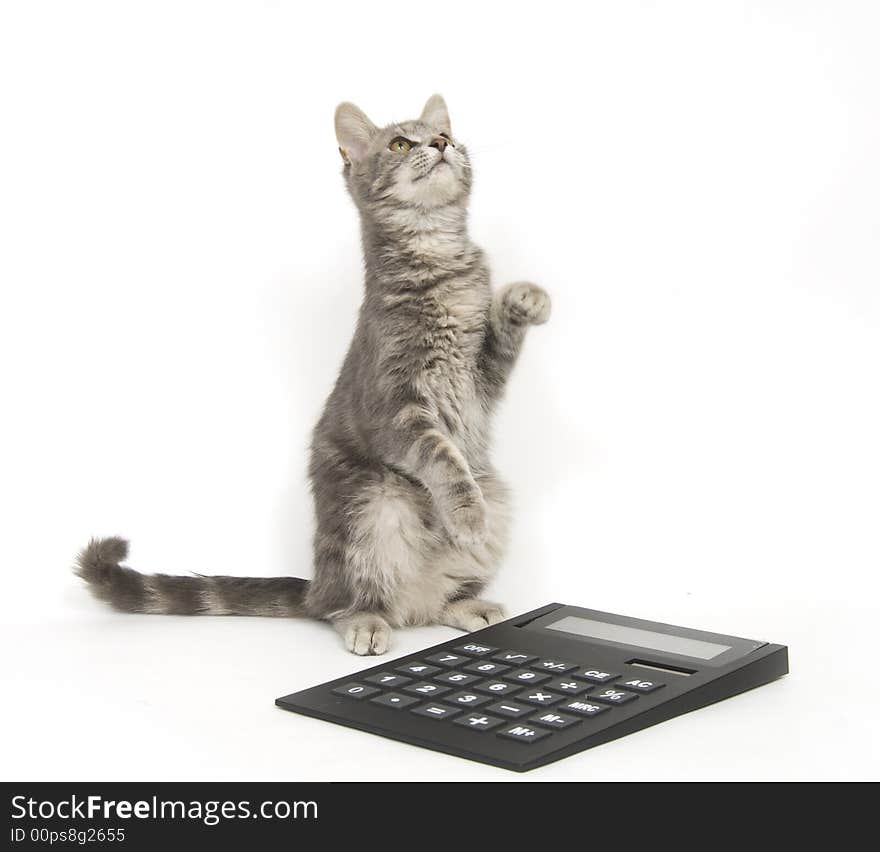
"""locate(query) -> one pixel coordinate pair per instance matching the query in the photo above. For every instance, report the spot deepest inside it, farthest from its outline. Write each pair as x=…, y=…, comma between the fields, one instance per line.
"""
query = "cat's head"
x=417, y=163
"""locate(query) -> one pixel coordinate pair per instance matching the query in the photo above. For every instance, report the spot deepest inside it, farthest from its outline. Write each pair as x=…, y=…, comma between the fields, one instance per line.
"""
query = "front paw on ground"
x=367, y=637
x=473, y=614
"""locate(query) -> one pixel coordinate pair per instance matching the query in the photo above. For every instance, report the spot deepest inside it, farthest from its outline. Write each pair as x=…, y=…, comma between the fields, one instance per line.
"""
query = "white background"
x=692, y=439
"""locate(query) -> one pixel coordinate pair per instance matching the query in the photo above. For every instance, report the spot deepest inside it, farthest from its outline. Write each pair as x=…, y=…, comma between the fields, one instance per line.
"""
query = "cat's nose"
x=439, y=143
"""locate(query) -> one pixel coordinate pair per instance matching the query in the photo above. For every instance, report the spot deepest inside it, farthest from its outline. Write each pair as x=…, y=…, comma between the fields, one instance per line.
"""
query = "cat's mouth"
x=442, y=162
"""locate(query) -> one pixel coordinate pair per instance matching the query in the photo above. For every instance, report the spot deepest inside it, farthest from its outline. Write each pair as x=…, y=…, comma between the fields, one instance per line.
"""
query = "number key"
x=355, y=690
x=433, y=690
x=497, y=687
x=457, y=678
x=447, y=659
x=466, y=699
x=526, y=677
x=387, y=679
x=417, y=668
x=484, y=668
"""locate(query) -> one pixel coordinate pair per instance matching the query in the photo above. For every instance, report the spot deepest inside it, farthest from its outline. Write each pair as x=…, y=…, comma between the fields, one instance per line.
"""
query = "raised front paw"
x=525, y=304
x=466, y=523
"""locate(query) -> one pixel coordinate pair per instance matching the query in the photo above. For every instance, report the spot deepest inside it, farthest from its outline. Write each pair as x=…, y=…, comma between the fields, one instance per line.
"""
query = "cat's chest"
x=449, y=331
x=450, y=336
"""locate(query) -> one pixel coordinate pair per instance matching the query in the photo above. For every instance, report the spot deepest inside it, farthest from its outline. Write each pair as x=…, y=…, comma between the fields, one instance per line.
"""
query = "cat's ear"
x=354, y=131
x=436, y=115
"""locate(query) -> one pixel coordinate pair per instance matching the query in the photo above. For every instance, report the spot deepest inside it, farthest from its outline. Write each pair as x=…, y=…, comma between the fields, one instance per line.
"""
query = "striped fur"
x=127, y=590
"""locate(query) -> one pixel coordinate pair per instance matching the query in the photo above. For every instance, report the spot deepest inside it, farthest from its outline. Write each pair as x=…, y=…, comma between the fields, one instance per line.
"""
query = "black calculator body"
x=543, y=686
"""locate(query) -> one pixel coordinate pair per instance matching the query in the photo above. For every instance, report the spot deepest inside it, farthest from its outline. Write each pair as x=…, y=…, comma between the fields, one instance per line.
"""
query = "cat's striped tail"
x=130, y=591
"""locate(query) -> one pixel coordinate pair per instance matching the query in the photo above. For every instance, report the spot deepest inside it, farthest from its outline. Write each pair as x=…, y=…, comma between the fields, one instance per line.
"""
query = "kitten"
x=411, y=517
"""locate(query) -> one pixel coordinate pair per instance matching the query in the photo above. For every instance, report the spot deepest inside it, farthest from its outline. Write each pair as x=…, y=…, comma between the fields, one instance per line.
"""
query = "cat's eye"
x=400, y=145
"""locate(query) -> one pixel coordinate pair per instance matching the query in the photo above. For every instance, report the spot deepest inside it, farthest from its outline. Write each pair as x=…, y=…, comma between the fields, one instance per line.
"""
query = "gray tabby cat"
x=411, y=517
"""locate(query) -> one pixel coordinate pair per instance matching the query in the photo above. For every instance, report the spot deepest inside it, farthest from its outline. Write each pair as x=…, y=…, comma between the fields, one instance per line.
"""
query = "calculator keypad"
x=513, y=694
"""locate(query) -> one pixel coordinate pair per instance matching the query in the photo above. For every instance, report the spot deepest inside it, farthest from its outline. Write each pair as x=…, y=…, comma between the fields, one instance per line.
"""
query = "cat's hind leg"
x=474, y=567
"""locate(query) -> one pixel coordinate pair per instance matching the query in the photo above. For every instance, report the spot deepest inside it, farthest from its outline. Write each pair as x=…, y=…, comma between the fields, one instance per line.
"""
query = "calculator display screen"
x=697, y=648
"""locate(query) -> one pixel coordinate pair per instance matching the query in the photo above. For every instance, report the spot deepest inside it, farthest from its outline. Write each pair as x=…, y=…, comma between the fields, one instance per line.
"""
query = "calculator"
x=542, y=686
